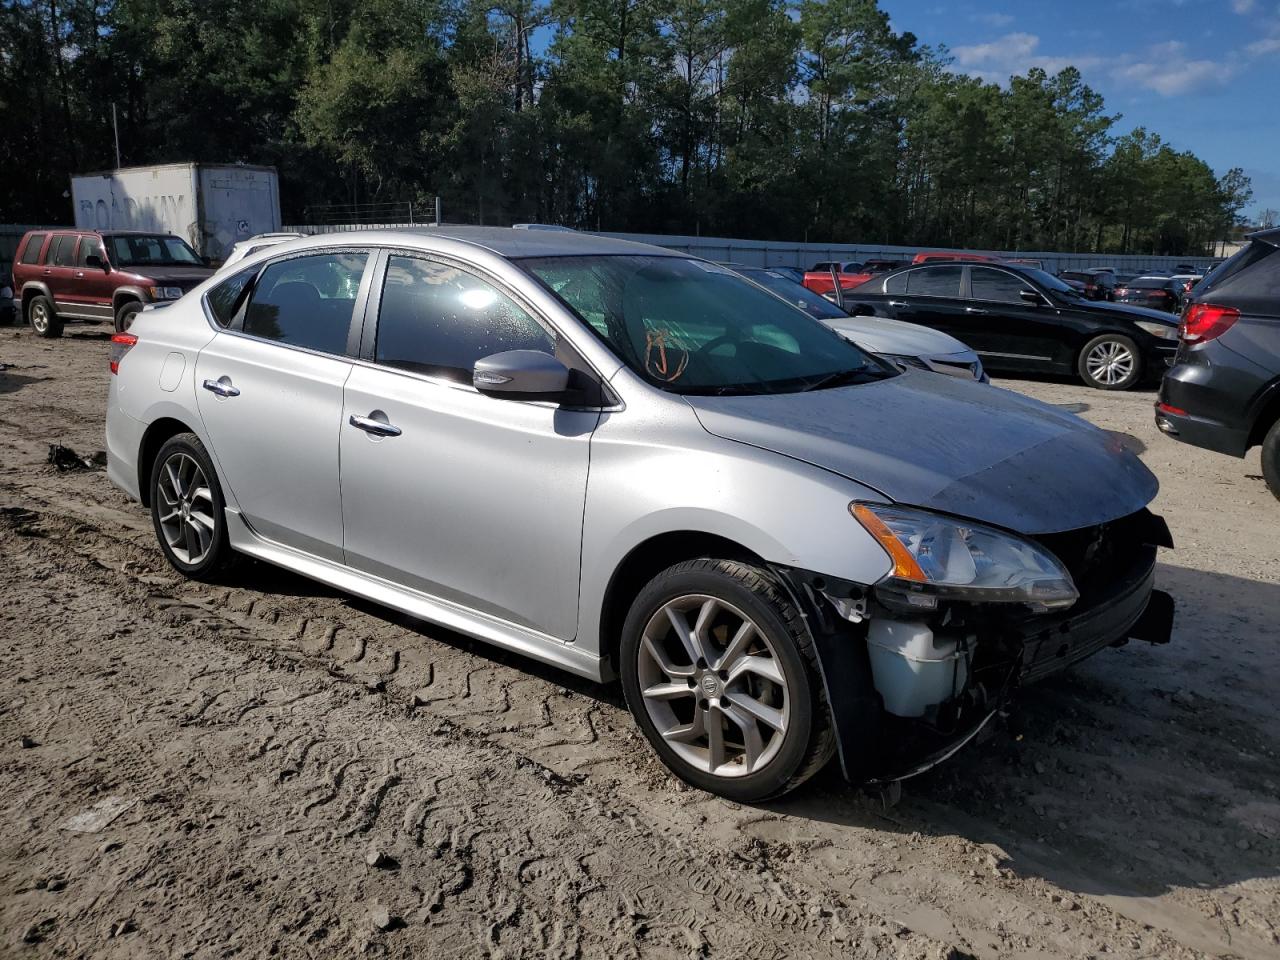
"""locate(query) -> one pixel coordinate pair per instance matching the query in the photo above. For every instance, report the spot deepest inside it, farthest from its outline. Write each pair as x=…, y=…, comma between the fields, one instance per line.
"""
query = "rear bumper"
x=124, y=440
x=1204, y=399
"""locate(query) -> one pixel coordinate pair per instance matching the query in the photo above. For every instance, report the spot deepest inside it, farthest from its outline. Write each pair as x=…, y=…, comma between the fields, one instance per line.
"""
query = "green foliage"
x=795, y=119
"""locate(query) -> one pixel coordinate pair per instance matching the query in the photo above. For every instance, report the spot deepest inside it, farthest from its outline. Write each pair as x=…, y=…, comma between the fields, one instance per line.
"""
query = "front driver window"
x=437, y=319
x=307, y=301
x=996, y=285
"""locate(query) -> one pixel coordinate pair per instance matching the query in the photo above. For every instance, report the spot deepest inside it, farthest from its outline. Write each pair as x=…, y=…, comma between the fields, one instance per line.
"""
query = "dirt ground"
x=269, y=768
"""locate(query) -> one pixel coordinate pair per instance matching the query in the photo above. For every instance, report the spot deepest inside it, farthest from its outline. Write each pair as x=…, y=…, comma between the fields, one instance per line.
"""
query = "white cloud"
x=997, y=20
x=1163, y=68
x=1260, y=48
x=1244, y=6
x=1015, y=53
x=1171, y=76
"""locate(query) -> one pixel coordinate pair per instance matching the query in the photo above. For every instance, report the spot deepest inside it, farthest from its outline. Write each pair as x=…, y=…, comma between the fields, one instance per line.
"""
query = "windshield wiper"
x=843, y=378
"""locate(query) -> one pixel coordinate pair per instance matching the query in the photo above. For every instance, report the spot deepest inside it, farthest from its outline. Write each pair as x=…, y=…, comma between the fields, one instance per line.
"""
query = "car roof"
x=1271, y=236
x=504, y=241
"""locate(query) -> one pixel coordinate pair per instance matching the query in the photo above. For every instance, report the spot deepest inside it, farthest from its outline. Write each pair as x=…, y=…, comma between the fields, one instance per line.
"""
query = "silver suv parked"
x=624, y=461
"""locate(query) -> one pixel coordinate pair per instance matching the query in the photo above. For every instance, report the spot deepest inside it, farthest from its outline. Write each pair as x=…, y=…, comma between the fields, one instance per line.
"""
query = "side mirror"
x=1031, y=298
x=521, y=375
x=93, y=260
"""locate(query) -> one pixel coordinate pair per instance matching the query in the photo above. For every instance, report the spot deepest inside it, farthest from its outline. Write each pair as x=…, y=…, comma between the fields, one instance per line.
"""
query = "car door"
x=469, y=498
x=929, y=296
x=269, y=388
x=1008, y=332
x=92, y=286
x=58, y=272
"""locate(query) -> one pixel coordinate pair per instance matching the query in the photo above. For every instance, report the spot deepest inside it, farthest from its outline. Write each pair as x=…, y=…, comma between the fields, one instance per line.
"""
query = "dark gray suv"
x=1223, y=392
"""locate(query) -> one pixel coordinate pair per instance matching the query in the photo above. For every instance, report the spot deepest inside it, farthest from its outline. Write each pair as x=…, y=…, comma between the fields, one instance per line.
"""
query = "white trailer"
x=210, y=206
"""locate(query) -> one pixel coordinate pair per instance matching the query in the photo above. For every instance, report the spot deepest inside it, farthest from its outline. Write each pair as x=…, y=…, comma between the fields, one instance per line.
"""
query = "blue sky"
x=1204, y=74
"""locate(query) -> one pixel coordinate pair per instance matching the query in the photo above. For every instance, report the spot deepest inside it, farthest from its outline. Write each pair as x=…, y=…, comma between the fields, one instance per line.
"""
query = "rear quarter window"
x=31, y=252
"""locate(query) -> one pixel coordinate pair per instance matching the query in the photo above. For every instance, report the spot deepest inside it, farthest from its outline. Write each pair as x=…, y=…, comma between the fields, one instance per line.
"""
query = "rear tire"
x=1271, y=459
x=43, y=318
x=187, y=509
x=126, y=314
x=749, y=669
x=1110, y=362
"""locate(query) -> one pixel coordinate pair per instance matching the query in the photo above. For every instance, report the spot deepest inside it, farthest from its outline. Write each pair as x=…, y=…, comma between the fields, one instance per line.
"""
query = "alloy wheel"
x=1110, y=363
x=186, y=512
x=713, y=686
x=39, y=317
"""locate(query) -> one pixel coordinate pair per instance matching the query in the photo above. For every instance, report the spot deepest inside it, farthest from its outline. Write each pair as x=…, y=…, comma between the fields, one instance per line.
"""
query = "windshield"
x=1050, y=282
x=137, y=250
x=695, y=328
x=796, y=294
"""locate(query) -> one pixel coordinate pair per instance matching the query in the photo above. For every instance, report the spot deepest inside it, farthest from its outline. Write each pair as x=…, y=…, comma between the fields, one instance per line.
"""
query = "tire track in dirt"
x=538, y=718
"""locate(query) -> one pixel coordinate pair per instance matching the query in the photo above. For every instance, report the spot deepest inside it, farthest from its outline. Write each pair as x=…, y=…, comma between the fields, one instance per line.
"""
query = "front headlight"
x=165, y=293
x=1163, y=331
x=937, y=557
x=905, y=360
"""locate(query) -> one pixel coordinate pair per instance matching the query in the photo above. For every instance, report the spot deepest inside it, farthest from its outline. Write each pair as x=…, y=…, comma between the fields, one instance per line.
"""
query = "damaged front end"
x=915, y=666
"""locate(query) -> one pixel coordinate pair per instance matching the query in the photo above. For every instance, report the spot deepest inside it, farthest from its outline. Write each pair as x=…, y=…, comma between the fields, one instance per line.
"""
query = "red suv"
x=61, y=275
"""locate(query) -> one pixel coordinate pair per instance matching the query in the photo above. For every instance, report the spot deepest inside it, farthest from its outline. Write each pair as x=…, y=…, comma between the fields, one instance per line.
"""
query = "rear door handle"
x=974, y=310
x=378, y=428
x=897, y=303
x=222, y=387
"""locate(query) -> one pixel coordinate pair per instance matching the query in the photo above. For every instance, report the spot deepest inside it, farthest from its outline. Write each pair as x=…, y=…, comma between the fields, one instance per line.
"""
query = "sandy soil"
x=269, y=768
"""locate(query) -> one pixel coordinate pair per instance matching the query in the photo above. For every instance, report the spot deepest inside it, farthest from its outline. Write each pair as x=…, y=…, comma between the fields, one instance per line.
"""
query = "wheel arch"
x=645, y=561
x=153, y=439
x=1266, y=415
x=122, y=295
x=32, y=289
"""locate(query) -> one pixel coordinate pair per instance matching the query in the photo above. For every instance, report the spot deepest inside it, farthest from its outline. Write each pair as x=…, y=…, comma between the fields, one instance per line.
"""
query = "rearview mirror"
x=1030, y=297
x=521, y=375
x=93, y=260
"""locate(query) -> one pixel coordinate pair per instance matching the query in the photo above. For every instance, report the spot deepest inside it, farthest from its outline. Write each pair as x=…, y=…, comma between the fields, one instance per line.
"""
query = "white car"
x=906, y=344
x=261, y=241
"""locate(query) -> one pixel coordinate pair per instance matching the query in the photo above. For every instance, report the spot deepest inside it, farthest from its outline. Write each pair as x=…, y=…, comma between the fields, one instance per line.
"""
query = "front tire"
x=719, y=671
x=187, y=509
x=1271, y=459
x=1110, y=362
x=43, y=318
x=126, y=314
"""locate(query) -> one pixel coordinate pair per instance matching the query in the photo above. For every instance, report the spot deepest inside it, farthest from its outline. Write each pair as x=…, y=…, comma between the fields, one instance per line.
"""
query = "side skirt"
x=451, y=615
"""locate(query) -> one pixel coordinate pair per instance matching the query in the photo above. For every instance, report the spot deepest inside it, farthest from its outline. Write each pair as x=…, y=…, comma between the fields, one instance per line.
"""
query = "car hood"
x=949, y=445
x=893, y=336
x=173, y=276
x=1126, y=310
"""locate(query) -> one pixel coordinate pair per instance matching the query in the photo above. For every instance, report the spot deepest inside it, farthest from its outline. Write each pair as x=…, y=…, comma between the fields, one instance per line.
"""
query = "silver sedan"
x=630, y=463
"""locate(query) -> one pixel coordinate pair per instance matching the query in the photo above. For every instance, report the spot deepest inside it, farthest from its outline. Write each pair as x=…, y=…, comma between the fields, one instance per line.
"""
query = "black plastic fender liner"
x=856, y=711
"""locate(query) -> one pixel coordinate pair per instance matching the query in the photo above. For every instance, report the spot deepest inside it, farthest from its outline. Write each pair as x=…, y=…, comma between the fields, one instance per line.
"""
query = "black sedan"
x=1023, y=320
x=1156, y=293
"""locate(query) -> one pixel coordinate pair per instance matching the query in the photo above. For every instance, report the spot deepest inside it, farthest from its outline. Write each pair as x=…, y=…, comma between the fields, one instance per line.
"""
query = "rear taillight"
x=1206, y=321
x=121, y=344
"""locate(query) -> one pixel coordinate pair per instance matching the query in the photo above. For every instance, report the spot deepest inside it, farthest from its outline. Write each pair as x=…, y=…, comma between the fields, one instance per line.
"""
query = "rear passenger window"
x=31, y=252
x=935, y=281
x=62, y=254
x=439, y=320
x=307, y=301
x=224, y=299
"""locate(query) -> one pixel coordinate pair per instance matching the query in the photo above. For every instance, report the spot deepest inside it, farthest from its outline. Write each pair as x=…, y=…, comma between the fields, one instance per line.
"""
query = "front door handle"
x=377, y=428
x=975, y=310
x=897, y=303
x=222, y=387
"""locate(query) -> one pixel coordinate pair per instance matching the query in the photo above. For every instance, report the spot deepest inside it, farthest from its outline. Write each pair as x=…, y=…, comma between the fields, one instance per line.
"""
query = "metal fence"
x=776, y=253
x=764, y=253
